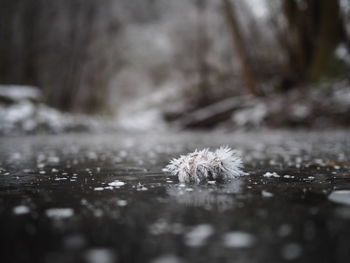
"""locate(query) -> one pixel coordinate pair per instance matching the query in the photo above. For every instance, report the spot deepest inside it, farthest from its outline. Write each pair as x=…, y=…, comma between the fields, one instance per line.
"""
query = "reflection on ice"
x=218, y=197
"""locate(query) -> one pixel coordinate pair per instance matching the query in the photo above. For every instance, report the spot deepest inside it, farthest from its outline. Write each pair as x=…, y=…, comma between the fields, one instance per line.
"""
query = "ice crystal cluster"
x=205, y=165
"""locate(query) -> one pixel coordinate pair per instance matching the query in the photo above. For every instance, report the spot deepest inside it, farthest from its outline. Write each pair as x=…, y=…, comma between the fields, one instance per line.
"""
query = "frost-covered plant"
x=205, y=165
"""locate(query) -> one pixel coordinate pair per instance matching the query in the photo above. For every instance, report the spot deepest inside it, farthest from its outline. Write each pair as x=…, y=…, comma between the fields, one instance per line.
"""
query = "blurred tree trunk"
x=202, y=50
x=330, y=33
x=68, y=48
x=314, y=29
x=241, y=52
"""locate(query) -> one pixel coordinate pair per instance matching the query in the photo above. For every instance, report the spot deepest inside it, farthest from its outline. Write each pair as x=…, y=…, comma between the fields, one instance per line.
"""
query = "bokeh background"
x=152, y=64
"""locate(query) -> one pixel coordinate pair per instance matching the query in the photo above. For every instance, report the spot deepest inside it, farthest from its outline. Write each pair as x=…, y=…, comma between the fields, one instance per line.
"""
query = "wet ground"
x=104, y=198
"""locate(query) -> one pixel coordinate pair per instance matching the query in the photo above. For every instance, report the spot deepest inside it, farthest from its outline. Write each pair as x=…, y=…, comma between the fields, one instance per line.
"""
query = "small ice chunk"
x=273, y=174
x=59, y=213
x=98, y=189
x=291, y=251
x=141, y=187
x=54, y=170
x=21, y=210
x=53, y=159
x=116, y=183
x=265, y=193
x=61, y=178
x=167, y=259
x=198, y=235
x=238, y=239
x=340, y=197
x=100, y=255
x=288, y=176
x=122, y=203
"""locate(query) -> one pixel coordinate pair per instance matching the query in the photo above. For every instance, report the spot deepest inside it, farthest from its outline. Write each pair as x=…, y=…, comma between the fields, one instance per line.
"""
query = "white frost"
x=205, y=165
x=100, y=255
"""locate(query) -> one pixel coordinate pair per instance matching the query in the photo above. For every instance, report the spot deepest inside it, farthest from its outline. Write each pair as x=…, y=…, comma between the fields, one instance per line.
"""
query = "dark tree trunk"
x=241, y=52
x=313, y=32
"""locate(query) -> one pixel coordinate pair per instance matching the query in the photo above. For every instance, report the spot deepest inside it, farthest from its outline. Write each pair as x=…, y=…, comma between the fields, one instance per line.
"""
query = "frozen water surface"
x=105, y=198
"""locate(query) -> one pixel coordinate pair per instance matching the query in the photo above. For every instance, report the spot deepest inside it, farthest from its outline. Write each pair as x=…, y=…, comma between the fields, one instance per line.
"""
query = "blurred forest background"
x=190, y=63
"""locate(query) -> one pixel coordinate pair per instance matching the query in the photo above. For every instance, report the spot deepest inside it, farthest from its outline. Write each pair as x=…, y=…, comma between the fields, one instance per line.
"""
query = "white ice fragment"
x=238, y=239
x=21, y=210
x=288, y=176
x=59, y=213
x=98, y=189
x=168, y=258
x=122, y=203
x=265, y=193
x=340, y=197
x=61, y=178
x=54, y=170
x=198, y=235
x=42, y=172
x=41, y=165
x=100, y=255
x=116, y=183
x=205, y=165
x=273, y=174
x=141, y=187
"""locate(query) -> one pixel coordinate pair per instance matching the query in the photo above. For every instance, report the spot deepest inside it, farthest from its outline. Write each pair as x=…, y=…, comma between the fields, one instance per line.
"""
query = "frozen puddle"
x=340, y=197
